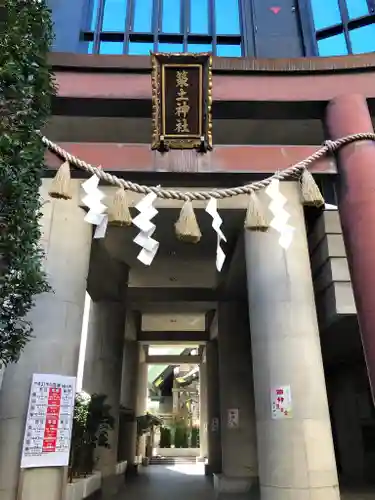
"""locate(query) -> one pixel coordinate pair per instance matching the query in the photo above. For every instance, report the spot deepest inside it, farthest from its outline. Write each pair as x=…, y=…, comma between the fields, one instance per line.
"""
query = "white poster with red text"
x=49, y=421
x=281, y=402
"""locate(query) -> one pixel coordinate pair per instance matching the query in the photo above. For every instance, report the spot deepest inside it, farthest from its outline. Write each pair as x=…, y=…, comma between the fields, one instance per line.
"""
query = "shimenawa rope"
x=290, y=172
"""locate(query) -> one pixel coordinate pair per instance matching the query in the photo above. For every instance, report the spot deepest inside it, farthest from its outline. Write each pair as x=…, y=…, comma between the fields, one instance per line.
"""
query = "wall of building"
x=238, y=441
x=330, y=269
x=166, y=404
x=68, y=19
x=277, y=29
x=271, y=31
x=353, y=423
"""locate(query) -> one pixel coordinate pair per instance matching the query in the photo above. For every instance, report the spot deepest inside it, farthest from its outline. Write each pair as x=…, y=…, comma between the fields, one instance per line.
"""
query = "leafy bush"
x=181, y=436
x=195, y=437
x=26, y=87
x=165, y=437
x=91, y=424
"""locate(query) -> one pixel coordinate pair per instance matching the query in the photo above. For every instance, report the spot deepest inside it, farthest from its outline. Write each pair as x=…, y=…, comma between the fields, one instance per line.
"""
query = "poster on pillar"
x=49, y=421
x=215, y=424
x=233, y=418
x=281, y=402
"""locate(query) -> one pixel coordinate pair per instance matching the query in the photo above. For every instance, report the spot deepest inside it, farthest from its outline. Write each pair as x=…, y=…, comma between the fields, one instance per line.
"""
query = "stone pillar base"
x=211, y=468
x=201, y=459
x=236, y=487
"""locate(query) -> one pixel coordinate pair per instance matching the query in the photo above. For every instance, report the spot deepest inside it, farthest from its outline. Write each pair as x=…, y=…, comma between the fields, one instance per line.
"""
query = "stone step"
x=172, y=460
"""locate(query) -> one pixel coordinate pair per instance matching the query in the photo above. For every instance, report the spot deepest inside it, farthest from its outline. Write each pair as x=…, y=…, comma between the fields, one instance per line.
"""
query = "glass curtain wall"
x=343, y=27
x=137, y=27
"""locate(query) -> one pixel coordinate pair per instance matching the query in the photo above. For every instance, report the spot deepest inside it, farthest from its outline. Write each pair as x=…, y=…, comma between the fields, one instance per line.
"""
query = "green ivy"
x=26, y=88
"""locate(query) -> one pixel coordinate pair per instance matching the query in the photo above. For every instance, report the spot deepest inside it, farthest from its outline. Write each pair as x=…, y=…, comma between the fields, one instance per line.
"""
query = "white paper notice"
x=49, y=421
x=215, y=424
x=233, y=418
x=281, y=402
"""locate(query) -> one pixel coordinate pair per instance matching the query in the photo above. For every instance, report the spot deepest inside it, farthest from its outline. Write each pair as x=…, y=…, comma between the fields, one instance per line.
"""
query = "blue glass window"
x=111, y=48
x=357, y=8
x=325, y=13
x=143, y=16
x=363, y=39
x=171, y=16
x=199, y=16
x=139, y=26
x=339, y=14
x=171, y=47
x=94, y=10
x=229, y=50
x=114, y=15
x=227, y=17
x=195, y=48
x=333, y=46
x=140, y=49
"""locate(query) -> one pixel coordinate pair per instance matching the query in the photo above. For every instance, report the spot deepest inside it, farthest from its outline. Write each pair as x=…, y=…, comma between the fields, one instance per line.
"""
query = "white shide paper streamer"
x=281, y=216
x=93, y=201
x=101, y=229
x=147, y=228
x=217, y=221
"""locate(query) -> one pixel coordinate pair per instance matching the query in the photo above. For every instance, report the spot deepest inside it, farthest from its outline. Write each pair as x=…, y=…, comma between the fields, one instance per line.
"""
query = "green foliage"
x=91, y=424
x=165, y=437
x=181, y=435
x=26, y=89
x=195, y=437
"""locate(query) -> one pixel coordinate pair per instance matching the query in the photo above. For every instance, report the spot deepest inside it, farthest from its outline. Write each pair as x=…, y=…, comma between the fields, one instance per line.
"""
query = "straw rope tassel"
x=186, y=227
x=310, y=192
x=118, y=211
x=60, y=187
x=256, y=219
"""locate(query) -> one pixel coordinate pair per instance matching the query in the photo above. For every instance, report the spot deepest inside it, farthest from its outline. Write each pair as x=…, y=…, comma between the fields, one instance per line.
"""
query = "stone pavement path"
x=188, y=482
x=175, y=482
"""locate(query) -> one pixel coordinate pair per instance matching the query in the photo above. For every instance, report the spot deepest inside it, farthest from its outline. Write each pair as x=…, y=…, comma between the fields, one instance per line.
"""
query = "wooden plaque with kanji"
x=181, y=101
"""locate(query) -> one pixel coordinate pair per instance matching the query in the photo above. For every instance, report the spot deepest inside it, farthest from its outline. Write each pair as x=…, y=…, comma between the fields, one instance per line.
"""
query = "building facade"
x=299, y=320
x=231, y=28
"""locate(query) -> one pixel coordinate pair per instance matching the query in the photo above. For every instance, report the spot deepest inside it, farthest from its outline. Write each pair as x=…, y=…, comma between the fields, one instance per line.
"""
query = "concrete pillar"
x=103, y=366
x=128, y=436
x=296, y=455
x=175, y=395
x=57, y=322
x=142, y=384
x=1, y=376
x=213, y=409
x=238, y=441
x=349, y=114
x=142, y=395
x=203, y=409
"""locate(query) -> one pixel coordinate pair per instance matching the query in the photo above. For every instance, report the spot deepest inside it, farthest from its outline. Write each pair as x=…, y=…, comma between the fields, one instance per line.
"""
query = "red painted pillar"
x=349, y=114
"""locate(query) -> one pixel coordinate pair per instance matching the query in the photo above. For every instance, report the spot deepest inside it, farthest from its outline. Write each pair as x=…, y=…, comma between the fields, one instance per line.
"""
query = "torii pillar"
x=346, y=115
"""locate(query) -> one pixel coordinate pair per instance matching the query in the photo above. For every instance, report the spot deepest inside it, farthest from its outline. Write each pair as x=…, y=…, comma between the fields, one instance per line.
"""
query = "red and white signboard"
x=49, y=421
x=281, y=402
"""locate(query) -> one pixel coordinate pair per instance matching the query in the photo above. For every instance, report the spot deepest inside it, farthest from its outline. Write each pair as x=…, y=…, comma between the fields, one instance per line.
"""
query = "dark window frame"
x=156, y=35
x=311, y=36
